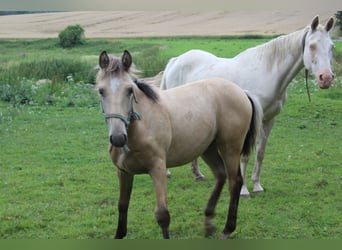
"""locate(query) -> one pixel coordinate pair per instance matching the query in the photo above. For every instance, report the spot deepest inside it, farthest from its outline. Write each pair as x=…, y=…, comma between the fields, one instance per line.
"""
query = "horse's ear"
x=314, y=23
x=103, y=60
x=126, y=60
x=330, y=24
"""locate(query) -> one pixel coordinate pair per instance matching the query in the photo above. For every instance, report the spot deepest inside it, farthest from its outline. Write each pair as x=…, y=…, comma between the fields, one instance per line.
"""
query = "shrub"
x=53, y=68
x=71, y=36
x=22, y=91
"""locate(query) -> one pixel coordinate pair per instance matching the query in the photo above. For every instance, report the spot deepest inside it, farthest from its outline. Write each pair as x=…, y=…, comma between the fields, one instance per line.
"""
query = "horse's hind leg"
x=260, y=152
x=214, y=161
x=196, y=171
x=244, y=190
x=232, y=163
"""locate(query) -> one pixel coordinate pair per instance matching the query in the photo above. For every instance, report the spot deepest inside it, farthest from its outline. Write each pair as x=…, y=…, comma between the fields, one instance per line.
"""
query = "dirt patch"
x=157, y=23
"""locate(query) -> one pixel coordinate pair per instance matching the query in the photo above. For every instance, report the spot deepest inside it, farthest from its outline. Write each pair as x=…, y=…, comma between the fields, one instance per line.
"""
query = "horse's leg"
x=232, y=163
x=125, y=187
x=162, y=215
x=260, y=152
x=244, y=190
x=168, y=173
x=214, y=161
x=196, y=171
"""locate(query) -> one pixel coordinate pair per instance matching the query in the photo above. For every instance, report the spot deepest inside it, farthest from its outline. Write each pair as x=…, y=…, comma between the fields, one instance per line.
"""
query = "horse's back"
x=179, y=68
x=217, y=95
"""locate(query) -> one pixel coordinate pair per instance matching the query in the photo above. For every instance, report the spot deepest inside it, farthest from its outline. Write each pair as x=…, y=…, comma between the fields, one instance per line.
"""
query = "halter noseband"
x=132, y=114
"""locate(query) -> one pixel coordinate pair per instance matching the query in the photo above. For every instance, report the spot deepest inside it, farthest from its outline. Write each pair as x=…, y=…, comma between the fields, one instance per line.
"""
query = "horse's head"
x=317, y=54
x=115, y=86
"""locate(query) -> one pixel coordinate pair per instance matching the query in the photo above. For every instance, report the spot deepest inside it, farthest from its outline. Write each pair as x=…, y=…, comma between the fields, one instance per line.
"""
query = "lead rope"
x=132, y=116
x=306, y=84
x=306, y=70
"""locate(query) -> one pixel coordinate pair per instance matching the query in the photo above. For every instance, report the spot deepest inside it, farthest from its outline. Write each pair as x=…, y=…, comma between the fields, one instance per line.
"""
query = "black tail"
x=254, y=127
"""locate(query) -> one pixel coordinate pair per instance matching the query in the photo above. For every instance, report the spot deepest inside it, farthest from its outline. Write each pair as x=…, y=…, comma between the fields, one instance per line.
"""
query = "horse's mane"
x=149, y=92
x=278, y=48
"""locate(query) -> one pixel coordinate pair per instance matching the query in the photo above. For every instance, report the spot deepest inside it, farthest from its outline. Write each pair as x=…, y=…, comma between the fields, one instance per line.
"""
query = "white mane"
x=275, y=51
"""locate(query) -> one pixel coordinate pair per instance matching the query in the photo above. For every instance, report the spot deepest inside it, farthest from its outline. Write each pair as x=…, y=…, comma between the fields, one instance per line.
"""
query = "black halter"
x=131, y=116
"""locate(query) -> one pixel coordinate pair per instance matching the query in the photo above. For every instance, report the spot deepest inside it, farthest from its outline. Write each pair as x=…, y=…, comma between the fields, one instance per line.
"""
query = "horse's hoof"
x=256, y=193
x=245, y=196
x=223, y=236
x=244, y=193
x=257, y=189
x=209, y=229
x=200, y=178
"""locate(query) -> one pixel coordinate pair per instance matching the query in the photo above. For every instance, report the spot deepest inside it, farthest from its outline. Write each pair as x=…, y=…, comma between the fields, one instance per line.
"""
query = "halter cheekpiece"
x=131, y=116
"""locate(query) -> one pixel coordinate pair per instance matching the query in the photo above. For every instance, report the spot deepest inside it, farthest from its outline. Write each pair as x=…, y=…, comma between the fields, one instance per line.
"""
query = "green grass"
x=57, y=181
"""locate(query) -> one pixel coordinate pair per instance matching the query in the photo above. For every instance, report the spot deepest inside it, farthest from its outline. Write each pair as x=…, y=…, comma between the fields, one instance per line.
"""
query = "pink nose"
x=325, y=79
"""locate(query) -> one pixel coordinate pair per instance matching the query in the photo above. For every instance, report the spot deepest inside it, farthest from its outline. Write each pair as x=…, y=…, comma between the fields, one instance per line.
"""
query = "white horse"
x=265, y=71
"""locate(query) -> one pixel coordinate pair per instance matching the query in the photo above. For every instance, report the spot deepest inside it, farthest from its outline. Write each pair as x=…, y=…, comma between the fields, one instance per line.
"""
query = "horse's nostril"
x=111, y=140
x=321, y=77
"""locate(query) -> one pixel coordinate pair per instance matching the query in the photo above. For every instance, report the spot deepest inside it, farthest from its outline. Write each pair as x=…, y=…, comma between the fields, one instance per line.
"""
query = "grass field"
x=57, y=181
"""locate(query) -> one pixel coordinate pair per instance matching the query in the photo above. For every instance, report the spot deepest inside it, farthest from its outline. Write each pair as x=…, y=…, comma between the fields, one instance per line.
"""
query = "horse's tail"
x=254, y=127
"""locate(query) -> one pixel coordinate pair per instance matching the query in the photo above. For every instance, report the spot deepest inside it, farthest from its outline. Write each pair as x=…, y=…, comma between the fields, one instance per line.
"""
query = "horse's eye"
x=312, y=47
x=101, y=92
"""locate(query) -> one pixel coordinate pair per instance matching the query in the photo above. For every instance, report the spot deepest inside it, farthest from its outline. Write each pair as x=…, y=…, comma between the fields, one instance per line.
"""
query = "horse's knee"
x=162, y=217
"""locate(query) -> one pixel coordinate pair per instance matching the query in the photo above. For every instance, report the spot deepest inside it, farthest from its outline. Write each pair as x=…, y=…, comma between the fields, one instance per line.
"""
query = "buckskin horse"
x=151, y=130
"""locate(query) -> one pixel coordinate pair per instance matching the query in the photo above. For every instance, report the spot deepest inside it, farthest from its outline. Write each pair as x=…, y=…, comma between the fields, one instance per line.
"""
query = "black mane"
x=147, y=90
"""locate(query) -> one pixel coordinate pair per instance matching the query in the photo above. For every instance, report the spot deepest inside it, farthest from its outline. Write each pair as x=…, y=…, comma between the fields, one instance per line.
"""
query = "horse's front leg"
x=125, y=186
x=260, y=152
x=162, y=215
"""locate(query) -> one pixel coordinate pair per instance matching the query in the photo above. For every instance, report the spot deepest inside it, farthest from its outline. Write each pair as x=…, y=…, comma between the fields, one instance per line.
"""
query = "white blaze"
x=114, y=84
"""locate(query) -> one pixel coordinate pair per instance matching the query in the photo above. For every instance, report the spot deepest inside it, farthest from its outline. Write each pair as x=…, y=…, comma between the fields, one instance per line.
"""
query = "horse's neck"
x=143, y=104
x=281, y=59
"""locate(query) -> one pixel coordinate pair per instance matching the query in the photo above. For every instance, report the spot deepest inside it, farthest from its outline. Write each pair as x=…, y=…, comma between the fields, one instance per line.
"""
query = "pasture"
x=57, y=181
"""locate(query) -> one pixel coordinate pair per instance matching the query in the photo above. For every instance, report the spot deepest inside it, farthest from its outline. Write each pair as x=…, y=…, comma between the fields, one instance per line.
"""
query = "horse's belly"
x=178, y=158
x=188, y=146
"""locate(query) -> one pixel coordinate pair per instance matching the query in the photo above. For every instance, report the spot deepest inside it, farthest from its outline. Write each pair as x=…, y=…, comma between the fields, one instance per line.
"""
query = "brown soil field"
x=118, y=24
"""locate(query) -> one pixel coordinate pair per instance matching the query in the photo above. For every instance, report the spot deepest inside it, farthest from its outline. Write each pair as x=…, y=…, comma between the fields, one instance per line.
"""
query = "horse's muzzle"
x=118, y=140
x=325, y=79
